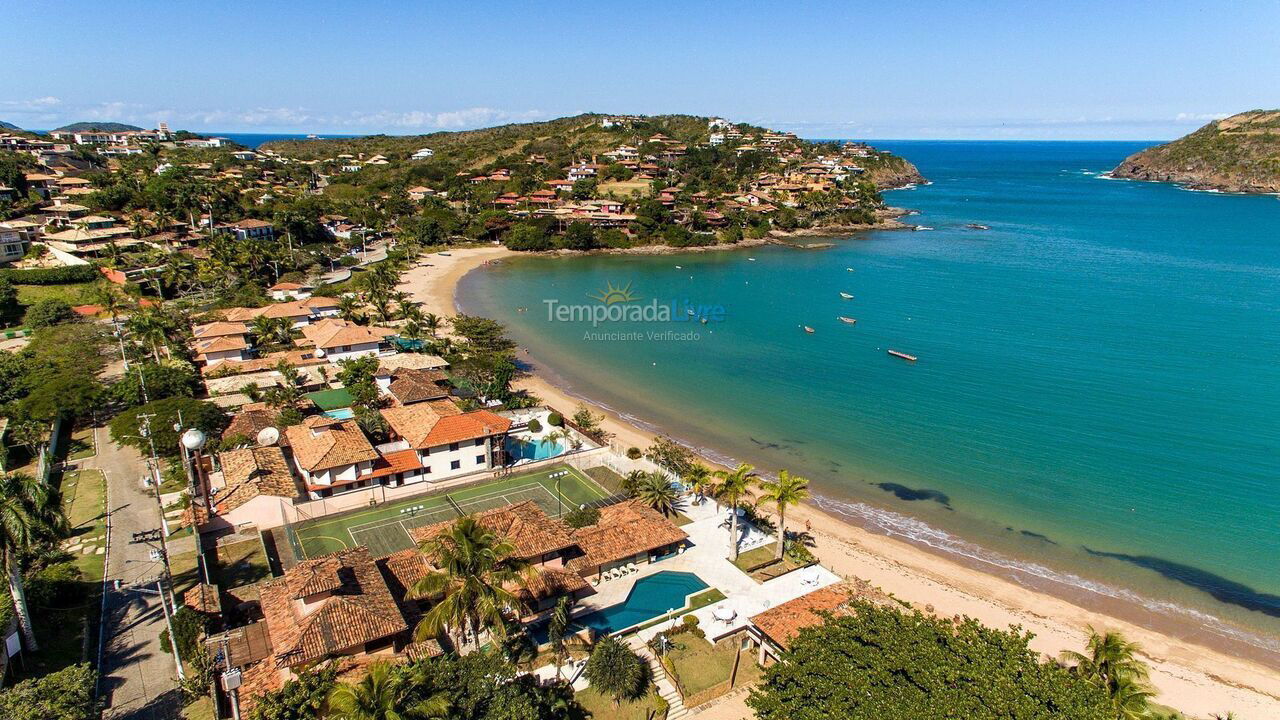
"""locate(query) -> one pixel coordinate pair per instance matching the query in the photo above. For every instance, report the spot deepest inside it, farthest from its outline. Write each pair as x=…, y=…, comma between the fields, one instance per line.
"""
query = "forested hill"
x=1240, y=153
x=564, y=141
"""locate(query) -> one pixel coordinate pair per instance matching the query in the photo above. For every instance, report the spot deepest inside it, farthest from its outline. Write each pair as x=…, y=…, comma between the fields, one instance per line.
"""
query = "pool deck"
x=707, y=557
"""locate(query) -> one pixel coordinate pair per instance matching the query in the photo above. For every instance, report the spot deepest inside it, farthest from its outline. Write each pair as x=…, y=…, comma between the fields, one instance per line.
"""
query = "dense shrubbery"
x=64, y=275
x=881, y=662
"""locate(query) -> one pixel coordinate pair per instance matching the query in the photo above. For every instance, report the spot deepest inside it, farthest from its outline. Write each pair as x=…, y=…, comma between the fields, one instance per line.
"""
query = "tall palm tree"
x=29, y=512
x=476, y=568
x=1111, y=662
x=381, y=695
x=786, y=491
x=657, y=491
x=733, y=487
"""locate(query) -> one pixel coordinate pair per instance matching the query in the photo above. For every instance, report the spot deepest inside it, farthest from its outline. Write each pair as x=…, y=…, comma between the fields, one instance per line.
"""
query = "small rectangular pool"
x=651, y=597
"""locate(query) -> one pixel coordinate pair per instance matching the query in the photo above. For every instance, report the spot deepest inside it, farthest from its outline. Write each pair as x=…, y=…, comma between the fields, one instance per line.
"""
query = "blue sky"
x=1004, y=70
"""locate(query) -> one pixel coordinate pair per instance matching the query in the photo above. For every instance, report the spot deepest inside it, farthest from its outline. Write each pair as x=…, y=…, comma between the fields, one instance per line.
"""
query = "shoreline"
x=1189, y=676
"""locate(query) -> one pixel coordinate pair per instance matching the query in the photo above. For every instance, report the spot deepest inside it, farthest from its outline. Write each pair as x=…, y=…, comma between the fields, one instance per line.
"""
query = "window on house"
x=455, y=464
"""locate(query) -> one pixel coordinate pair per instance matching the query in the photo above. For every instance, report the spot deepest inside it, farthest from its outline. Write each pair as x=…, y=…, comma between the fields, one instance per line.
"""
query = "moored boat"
x=904, y=356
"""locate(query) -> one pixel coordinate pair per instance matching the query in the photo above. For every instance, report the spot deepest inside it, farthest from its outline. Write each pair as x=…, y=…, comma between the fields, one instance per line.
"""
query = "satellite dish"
x=268, y=436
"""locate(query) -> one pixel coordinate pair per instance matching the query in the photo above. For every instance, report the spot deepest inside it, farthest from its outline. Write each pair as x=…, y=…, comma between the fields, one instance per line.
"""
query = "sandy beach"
x=1192, y=678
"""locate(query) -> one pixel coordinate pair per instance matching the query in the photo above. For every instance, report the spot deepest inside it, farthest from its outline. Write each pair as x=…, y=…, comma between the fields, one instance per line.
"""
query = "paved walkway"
x=138, y=679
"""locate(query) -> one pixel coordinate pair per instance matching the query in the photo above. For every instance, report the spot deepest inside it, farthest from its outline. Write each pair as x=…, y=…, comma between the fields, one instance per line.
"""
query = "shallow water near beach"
x=1096, y=404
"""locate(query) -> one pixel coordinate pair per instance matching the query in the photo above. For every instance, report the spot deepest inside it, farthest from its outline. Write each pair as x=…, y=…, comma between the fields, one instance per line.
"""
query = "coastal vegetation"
x=1240, y=153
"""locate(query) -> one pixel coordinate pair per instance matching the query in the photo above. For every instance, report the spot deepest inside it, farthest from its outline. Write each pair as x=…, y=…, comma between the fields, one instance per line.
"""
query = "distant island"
x=97, y=127
x=1240, y=153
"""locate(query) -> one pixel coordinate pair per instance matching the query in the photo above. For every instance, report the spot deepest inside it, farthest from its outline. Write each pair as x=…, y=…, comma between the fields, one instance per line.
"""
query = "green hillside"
x=1240, y=153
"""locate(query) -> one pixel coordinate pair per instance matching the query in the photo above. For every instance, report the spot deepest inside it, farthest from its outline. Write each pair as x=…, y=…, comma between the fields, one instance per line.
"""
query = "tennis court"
x=385, y=528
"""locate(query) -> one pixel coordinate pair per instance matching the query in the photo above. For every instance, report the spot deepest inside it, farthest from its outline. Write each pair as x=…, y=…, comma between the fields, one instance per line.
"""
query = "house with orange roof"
x=331, y=455
x=335, y=339
x=448, y=443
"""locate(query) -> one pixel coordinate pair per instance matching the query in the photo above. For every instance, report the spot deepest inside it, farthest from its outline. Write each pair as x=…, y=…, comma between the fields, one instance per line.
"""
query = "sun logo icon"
x=612, y=294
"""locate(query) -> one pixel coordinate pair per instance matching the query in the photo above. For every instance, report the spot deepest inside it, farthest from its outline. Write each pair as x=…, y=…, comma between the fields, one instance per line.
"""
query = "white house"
x=341, y=340
x=447, y=444
x=331, y=455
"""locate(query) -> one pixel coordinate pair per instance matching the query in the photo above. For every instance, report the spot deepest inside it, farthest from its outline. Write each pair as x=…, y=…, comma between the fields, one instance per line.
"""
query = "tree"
x=698, y=478
x=125, y=427
x=302, y=698
x=657, y=491
x=50, y=311
x=579, y=236
x=67, y=694
x=8, y=300
x=616, y=671
x=30, y=512
x=732, y=488
x=788, y=490
x=875, y=661
x=670, y=455
x=381, y=695
x=1111, y=663
x=476, y=566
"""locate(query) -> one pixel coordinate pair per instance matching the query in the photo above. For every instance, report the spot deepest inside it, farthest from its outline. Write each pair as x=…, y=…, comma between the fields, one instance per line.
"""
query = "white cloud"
x=1199, y=117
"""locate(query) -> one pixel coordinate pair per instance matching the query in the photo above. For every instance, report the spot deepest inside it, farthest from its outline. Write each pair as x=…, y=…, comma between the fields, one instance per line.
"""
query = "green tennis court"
x=385, y=528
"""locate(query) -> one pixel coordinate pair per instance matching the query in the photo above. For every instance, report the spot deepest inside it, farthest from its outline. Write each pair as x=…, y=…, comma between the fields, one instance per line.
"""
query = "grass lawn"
x=240, y=563
x=61, y=631
x=385, y=528
x=73, y=293
x=649, y=707
x=762, y=555
x=625, y=188
x=81, y=446
x=201, y=709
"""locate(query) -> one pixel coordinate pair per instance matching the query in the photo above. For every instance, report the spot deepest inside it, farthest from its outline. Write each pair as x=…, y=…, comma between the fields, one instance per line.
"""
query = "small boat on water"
x=846, y=295
x=807, y=329
x=904, y=356
x=849, y=320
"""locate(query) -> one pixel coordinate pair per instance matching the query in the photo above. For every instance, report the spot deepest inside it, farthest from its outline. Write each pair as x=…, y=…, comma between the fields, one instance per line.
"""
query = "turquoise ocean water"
x=1095, y=409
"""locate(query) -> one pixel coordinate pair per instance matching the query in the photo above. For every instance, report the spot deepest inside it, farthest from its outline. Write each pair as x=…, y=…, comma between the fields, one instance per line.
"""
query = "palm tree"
x=734, y=485
x=476, y=567
x=348, y=307
x=381, y=695
x=657, y=491
x=29, y=512
x=432, y=322
x=698, y=478
x=560, y=635
x=782, y=493
x=1112, y=663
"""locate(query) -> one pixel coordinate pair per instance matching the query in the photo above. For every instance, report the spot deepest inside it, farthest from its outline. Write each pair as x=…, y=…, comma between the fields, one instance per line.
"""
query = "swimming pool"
x=341, y=413
x=651, y=597
x=527, y=449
